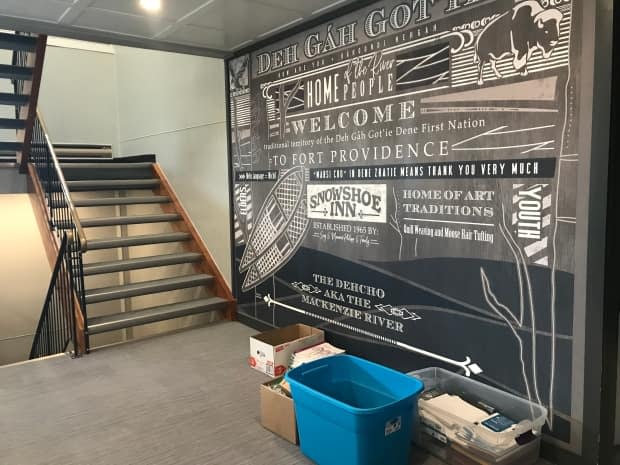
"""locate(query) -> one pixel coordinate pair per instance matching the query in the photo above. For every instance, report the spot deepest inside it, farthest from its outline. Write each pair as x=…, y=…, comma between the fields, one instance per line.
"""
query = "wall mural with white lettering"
x=406, y=175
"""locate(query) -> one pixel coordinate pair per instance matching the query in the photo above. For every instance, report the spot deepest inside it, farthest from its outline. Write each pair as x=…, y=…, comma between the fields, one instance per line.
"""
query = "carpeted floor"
x=183, y=399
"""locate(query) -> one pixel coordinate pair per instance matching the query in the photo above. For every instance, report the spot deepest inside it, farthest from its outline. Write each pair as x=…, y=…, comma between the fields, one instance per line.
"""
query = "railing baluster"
x=47, y=333
x=50, y=322
x=62, y=324
x=70, y=315
x=71, y=323
x=53, y=320
x=57, y=325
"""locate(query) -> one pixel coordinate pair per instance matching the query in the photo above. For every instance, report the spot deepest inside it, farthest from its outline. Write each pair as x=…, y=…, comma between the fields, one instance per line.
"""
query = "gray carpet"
x=183, y=399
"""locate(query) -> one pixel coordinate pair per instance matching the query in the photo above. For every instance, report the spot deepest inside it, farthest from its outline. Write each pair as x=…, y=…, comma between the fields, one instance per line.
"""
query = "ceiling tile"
x=242, y=18
x=104, y=20
x=171, y=9
x=198, y=36
x=307, y=7
x=216, y=24
x=40, y=10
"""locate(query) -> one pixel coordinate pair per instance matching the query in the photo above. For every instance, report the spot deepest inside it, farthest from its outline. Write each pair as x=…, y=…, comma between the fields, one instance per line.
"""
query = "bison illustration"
x=518, y=32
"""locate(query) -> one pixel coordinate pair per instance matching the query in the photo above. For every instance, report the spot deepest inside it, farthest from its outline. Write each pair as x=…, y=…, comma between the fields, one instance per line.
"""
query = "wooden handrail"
x=208, y=265
x=50, y=240
x=29, y=112
x=63, y=184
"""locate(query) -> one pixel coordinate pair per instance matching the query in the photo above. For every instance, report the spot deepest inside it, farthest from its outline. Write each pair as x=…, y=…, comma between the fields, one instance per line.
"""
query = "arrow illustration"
x=309, y=288
x=466, y=365
x=324, y=212
x=399, y=312
x=363, y=215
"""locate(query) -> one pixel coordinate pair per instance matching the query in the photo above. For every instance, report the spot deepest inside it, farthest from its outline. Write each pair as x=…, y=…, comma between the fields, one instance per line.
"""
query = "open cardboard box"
x=277, y=412
x=270, y=352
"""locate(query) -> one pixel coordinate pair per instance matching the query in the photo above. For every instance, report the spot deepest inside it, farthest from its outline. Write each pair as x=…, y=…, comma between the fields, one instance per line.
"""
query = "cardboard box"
x=277, y=412
x=270, y=352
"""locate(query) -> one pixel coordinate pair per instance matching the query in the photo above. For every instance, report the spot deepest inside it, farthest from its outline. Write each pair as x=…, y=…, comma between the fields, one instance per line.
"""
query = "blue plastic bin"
x=353, y=412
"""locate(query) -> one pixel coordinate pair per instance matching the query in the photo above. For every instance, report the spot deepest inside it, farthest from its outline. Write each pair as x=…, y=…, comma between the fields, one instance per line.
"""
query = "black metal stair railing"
x=29, y=63
x=56, y=330
x=61, y=211
x=20, y=58
x=57, y=326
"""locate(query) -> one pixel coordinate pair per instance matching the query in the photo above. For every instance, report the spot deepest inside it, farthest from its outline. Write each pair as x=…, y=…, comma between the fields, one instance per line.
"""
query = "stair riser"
x=16, y=47
x=110, y=202
x=13, y=100
x=146, y=290
x=97, y=223
x=15, y=72
x=7, y=123
x=137, y=264
x=88, y=224
x=134, y=242
x=87, y=186
x=10, y=146
x=87, y=174
x=154, y=318
x=17, y=42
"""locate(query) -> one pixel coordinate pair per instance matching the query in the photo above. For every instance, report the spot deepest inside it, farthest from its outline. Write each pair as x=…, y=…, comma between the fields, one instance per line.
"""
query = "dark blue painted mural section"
x=407, y=179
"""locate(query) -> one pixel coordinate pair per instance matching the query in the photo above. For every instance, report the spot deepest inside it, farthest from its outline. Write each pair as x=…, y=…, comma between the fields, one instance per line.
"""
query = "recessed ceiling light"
x=151, y=5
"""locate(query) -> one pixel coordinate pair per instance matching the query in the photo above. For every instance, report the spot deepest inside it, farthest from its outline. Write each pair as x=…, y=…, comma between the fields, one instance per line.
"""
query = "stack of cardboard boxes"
x=272, y=353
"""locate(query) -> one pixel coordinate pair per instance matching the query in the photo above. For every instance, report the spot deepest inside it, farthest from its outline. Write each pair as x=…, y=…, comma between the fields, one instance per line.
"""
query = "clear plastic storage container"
x=493, y=438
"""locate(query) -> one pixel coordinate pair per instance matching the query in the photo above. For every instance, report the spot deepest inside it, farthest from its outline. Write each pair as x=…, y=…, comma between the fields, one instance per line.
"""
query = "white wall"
x=11, y=182
x=78, y=96
x=24, y=276
x=174, y=106
x=143, y=101
x=140, y=102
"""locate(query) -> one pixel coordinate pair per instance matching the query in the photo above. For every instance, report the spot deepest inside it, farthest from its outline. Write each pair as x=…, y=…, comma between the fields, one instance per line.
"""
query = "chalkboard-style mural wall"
x=409, y=174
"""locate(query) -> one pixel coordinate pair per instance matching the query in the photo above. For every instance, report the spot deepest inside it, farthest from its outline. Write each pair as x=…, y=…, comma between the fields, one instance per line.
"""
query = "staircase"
x=129, y=261
x=138, y=266
x=21, y=62
x=165, y=256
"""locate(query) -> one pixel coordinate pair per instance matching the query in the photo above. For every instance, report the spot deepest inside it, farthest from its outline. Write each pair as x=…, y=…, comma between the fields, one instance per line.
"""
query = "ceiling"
x=212, y=27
